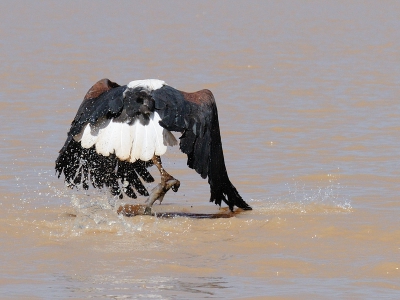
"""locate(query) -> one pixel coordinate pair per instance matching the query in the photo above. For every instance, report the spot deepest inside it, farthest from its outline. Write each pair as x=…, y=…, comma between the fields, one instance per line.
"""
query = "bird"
x=119, y=132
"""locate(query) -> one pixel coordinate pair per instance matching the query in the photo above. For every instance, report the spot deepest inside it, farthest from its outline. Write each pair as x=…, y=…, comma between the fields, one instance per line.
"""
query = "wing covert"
x=105, y=98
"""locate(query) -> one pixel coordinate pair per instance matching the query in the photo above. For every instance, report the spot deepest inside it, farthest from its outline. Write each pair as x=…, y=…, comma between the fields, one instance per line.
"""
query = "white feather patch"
x=150, y=84
x=138, y=133
x=124, y=141
x=88, y=136
x=129, y=142
x=104, y=137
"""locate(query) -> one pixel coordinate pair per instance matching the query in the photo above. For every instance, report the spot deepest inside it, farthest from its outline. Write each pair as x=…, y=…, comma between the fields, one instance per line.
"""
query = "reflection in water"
x=132, y=287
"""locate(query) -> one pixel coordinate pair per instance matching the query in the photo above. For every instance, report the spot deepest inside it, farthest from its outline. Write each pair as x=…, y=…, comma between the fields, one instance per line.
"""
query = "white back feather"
x=129, y=142
x=150, y=84
x=125, y=141
x=137, y=131
x=104, y=137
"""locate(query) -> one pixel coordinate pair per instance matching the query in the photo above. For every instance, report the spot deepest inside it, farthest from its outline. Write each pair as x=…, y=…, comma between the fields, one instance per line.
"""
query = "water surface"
x=308, y=98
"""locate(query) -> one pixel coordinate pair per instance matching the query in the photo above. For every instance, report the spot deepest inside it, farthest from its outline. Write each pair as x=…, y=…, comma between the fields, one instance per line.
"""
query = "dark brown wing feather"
x=101, y=86
x=81, y=166
x=195, y=115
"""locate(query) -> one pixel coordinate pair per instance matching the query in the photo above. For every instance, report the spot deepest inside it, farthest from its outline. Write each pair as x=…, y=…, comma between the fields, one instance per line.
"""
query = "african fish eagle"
x=120, y=131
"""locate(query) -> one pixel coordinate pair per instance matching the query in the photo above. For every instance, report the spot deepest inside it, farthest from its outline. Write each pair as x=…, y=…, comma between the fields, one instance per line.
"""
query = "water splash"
x=324, y=196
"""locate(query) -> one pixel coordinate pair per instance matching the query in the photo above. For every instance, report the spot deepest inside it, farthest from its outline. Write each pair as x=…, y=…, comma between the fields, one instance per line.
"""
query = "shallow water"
x=308, y=98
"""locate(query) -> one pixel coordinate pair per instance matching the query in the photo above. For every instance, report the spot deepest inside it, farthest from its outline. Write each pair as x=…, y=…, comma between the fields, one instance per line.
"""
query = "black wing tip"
x=225, y=191
x=240, y=203
x=245, y=206
x=231, y=198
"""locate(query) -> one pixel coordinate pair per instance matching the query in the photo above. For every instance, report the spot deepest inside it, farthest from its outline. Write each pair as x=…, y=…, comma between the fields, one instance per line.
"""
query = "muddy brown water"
x=308, y=94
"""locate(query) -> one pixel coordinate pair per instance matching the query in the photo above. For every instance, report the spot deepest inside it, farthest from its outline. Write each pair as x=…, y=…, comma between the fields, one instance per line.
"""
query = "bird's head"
x=146, y=105
x=138, y=101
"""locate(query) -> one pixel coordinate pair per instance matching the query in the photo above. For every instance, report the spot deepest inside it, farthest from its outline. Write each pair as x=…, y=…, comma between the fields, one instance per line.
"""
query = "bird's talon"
x=172, y=183
x=147, y=211
x=176, y=186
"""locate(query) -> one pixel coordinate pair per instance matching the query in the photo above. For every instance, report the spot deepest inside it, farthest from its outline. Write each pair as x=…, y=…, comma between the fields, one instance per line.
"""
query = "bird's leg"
x=167, y=182
x=164, y=174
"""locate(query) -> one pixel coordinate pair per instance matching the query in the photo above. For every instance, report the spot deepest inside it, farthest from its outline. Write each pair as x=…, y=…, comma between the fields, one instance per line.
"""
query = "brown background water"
x=308, y=96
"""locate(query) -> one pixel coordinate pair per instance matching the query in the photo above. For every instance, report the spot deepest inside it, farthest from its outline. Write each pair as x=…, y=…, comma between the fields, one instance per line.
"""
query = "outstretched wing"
x=80, y=165
x=195, y=116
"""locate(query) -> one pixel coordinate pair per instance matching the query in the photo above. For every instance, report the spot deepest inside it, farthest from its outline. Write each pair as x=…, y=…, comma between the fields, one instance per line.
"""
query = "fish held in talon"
x=121, y=131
